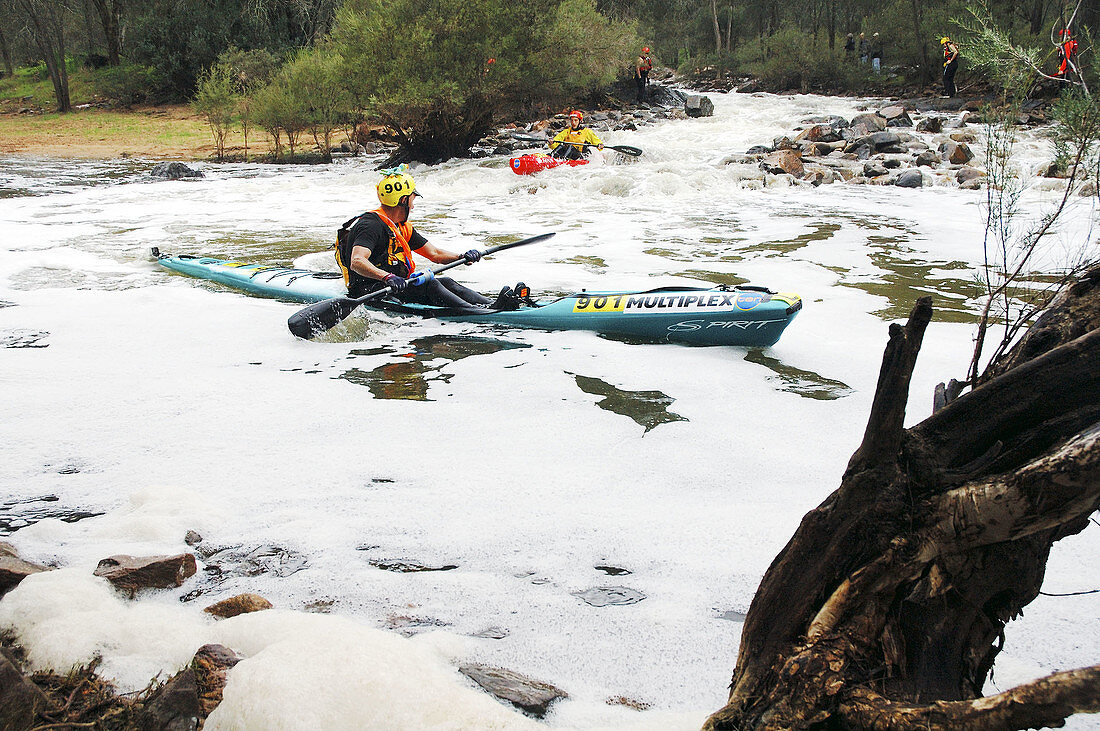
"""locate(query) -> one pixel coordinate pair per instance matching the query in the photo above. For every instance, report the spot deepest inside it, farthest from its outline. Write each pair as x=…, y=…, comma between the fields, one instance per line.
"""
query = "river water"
x=595, y=514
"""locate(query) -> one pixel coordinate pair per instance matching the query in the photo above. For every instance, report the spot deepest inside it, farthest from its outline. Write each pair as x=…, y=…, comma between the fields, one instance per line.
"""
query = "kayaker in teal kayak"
x=375, y=250
x=570, y=143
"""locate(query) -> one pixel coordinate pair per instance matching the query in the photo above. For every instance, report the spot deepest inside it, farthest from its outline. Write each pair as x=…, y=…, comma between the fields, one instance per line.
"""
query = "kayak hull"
x=534, y=162
x=745, y=316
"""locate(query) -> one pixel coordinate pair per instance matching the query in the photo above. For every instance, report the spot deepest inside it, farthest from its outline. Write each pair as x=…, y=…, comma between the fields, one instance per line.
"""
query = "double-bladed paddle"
x=321, y=316
x=625, y=149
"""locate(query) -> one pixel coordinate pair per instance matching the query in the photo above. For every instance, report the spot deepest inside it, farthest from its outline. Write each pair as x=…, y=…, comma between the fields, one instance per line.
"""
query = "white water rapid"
x=540, y=465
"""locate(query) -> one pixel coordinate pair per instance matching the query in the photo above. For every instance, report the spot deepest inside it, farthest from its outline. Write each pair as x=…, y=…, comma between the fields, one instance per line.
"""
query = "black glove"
x=471, y=256
x=396, y=283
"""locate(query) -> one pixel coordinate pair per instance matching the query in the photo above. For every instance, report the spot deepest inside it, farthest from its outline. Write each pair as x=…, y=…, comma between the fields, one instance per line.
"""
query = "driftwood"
x=887, y=607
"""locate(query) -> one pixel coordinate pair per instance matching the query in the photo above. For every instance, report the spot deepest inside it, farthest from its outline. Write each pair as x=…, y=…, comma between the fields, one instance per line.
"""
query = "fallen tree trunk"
x=887, y=607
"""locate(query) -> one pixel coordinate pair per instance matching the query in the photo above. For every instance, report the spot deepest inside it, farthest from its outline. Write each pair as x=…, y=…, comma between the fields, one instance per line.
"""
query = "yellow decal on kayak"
x=601, y=303
x=787, y=297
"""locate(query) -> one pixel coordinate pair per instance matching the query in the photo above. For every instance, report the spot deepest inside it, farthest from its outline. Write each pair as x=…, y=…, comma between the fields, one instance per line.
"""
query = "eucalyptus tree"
x=44, y=21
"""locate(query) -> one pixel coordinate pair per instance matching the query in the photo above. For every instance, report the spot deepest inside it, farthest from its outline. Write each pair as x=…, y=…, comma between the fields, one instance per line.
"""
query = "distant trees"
x=45, y=23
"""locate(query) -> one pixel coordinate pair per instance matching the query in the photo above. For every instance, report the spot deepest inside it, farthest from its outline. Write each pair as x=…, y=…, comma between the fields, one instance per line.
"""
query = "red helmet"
x=576, y=115
x=1067, y=33
x=645, y=50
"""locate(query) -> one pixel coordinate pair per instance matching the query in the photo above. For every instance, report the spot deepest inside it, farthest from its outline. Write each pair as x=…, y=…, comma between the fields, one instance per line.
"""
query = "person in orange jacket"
x=1067, y=52
x=642, y=66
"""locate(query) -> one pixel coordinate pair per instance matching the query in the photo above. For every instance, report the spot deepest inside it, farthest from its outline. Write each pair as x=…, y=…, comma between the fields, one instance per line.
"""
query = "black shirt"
x=385, y=252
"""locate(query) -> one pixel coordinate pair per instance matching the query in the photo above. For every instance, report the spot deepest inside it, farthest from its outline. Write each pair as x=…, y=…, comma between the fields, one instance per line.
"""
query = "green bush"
x=126, y=84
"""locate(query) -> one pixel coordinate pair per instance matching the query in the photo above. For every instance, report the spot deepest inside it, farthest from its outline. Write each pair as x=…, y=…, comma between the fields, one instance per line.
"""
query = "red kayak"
x=532, y=163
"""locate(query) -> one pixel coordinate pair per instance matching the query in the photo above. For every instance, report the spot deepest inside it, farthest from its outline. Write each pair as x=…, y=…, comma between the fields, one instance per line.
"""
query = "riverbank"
x=169, y=132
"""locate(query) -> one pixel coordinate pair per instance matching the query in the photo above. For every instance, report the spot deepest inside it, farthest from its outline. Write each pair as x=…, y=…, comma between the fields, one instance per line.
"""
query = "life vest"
x=398, y=251
x=647, y=63
x=949, y=50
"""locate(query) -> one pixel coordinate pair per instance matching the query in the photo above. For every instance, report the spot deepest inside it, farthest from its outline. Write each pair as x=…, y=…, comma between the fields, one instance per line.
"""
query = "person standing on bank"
x=950, y=65
x=377, y=250
x=864, y=48
x=876, y=53
x=849, y=47
x=569, y=144
x=642, y=66
x=1067, y=54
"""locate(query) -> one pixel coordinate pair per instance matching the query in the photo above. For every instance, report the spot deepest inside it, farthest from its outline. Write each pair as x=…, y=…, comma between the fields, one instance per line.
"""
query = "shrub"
x=216, y=99
x=126, y=84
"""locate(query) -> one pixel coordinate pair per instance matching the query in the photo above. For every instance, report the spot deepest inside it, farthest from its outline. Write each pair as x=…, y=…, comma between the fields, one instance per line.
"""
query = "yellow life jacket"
x=398, y=250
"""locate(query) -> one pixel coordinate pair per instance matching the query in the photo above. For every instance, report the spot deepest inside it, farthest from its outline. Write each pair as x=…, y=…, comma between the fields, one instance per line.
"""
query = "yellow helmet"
x=395, y=186
x=945, y=39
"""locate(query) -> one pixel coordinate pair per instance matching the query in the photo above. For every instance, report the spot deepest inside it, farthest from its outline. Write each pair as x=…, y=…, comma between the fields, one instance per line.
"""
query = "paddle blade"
x=627, y=150
x=321, y=316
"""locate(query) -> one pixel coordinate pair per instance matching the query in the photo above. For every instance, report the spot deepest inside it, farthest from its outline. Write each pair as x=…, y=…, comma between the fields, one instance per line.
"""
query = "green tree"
x=216, y=100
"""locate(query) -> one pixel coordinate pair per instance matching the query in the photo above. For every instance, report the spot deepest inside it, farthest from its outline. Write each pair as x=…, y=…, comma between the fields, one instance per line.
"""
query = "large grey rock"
x=533, y=697
x=174, y=171
x=832, y=120
x=930, y=124
x=896, y=116
x=14, y=569
x=698, y=106
x=174, y=706
x=911, y=178
x=20, y=699
x=882, y=140
x=149, y=572
x=758, y=150
x=874, y=169
x=783, y=161
x=928, y=158
x=966, y=174
x=872, y=122
x=956, y=153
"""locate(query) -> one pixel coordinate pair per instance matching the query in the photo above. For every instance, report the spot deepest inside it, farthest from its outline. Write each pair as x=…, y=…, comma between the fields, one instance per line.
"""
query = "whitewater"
x=606, y=509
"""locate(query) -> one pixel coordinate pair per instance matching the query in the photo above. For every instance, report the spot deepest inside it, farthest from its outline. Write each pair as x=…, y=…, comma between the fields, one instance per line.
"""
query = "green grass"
x=31, y=87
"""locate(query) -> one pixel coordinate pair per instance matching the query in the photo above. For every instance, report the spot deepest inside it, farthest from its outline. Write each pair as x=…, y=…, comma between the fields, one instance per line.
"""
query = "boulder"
x=174, y=171
x=149, y=572
x=818, y=133
x=817, y=175
x=240, y=604
x=911, y=178
x=174, y=706
x=930, y=124
x=956, y=153
x=533, y=697
x=873, y=169
x=928, y=158
x=192, y=538
x=818, y=149
x=896, y=116
x=891, y=163
x=20, y=699
x=863, y=152
x=698, y=106
x=882, y=140
x=975, y=184
x=967, y=174
x=963, y=136
x=783, y=143
x=14, y=569
x=758, y=150
x=830, y=120
x=783, y=161
x=871, y=122
x=210, y=667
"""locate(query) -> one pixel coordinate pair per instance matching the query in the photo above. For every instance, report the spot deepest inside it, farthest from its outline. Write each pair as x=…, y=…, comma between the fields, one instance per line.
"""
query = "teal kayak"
x=744, y=315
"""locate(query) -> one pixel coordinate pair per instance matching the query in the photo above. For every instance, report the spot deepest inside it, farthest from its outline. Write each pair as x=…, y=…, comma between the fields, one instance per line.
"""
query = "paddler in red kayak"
x=375, y=250
x=569, y=143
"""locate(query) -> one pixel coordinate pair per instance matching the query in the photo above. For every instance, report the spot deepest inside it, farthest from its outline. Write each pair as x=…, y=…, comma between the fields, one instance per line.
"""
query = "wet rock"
x=732, y=615
x=606, y=596
x=967, y=174
x=928, y=158
x=192, y=538
x=816, y=175
x=240, y=604
x=174, y=706
x=874, y=169
x=174, y=171
x=407, y=567
x=963, y=137
x=149, y=572
x=533, y=697
x=783, y=161
x=818, y=133
x=818, y=149
x=20, y=699
x=911, y=178
x=863, y=124
x=975, y=184
x=409, y=626
x=14, y=569
x=891, y=163
x=863, y=152
x=783, y=143
x=612, y=570
x=1087, y=189
x=698, y=106
x=896, y=116
x=956, y=153
x=831, y=120
x=492, y=633
x=930, y=124
x=210, y=667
